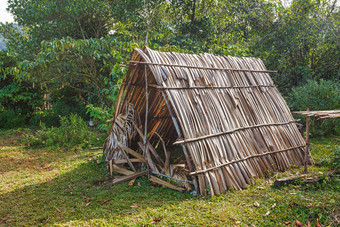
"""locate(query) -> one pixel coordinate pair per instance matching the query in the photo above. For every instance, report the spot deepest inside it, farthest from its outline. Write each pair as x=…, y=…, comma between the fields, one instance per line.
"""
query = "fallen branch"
x=130, y=177
x=166, y=184
x=96, y=148
x=173, y=178
x=306, y=179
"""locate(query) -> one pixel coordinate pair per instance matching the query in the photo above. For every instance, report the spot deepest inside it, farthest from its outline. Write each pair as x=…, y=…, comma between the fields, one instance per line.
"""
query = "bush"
x=63, y=103
x=100, y=116
x=324, y=95
x=335, y=158
x=73, y=132
x=331, y=160
x=45, y=117
x=10, y=119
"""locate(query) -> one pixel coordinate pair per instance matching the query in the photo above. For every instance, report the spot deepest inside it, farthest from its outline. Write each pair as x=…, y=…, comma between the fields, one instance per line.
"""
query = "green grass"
x=56, y=187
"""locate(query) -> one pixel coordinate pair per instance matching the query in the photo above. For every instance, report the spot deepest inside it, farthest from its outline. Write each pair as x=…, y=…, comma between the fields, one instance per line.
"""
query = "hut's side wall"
x=236, y=124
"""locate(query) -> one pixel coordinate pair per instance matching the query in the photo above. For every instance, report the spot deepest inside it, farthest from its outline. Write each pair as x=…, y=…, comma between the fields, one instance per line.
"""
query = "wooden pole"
x=231, y=131
x=198, y=67
x=146, y=116
x=307, y=143
x=187, y=158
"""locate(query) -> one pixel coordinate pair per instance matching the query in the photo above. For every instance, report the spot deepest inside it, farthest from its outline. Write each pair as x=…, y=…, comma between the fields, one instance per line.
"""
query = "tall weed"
x=73, y=132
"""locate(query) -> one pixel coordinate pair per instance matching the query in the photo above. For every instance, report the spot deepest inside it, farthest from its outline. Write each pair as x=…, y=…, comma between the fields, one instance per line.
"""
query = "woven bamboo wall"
x=234, y=123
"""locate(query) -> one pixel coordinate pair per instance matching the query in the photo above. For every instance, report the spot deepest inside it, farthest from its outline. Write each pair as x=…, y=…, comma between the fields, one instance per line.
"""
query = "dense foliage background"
x=64, y=57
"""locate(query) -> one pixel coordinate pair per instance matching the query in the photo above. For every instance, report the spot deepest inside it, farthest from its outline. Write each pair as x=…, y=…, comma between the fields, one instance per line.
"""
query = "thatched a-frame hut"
x=224, y=113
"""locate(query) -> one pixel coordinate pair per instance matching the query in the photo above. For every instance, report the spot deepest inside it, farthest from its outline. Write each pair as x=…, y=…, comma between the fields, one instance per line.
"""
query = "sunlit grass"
x=51, y=187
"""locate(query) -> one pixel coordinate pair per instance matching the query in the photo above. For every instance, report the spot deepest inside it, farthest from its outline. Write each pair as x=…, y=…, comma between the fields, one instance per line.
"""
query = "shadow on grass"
x=16, y=157
x=75, y=191
x=83, y=193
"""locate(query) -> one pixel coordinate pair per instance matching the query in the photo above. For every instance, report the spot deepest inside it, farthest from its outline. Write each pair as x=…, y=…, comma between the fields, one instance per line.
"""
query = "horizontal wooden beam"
x=133, y=63
x=244, y=159
x=201, y=87
x=231, y=131
x=321, y=114
x=210, y=87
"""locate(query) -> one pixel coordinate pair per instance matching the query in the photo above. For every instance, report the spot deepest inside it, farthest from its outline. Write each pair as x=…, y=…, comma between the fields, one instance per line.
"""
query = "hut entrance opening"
x=144, y=130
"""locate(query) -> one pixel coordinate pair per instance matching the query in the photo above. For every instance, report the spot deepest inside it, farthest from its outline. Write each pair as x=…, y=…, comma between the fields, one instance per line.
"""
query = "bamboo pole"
x=307, y=143
x=197, y=67
x=246, y=158
x=145, y=150
x=178, y=130
x=201, y=87
x=210, y=87
x=231, y=131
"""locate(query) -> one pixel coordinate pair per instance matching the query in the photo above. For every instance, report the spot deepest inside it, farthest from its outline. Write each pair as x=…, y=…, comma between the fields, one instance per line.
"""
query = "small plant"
x=326, y=155
x=73, y=132
x=335, y=158
x=100, y=116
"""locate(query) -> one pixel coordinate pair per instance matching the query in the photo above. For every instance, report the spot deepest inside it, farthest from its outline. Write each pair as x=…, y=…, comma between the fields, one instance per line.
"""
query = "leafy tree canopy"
x=79, y=45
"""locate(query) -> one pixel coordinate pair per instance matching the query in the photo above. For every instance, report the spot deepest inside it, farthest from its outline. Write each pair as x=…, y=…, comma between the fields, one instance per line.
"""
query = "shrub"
x=335, y=158
x=45, y=117
x=73, y=132
x=100, y=116
x=324, y=95
x=10, y=119
x=331, y=160
x=60, y=107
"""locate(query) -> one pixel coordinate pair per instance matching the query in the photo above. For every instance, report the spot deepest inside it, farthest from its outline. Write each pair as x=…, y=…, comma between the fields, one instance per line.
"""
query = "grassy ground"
x=51, y=187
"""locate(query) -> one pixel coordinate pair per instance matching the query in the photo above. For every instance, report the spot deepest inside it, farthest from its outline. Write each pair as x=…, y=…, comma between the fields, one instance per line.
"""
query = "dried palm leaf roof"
x=225, y=112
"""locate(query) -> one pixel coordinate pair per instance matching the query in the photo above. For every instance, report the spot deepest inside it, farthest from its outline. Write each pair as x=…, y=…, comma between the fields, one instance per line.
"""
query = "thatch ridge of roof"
x=234, y=122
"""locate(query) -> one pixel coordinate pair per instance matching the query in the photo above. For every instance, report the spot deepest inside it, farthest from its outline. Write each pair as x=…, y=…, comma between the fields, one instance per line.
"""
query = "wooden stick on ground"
x=96, y=148
x=129, y=177
x=166, y=184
